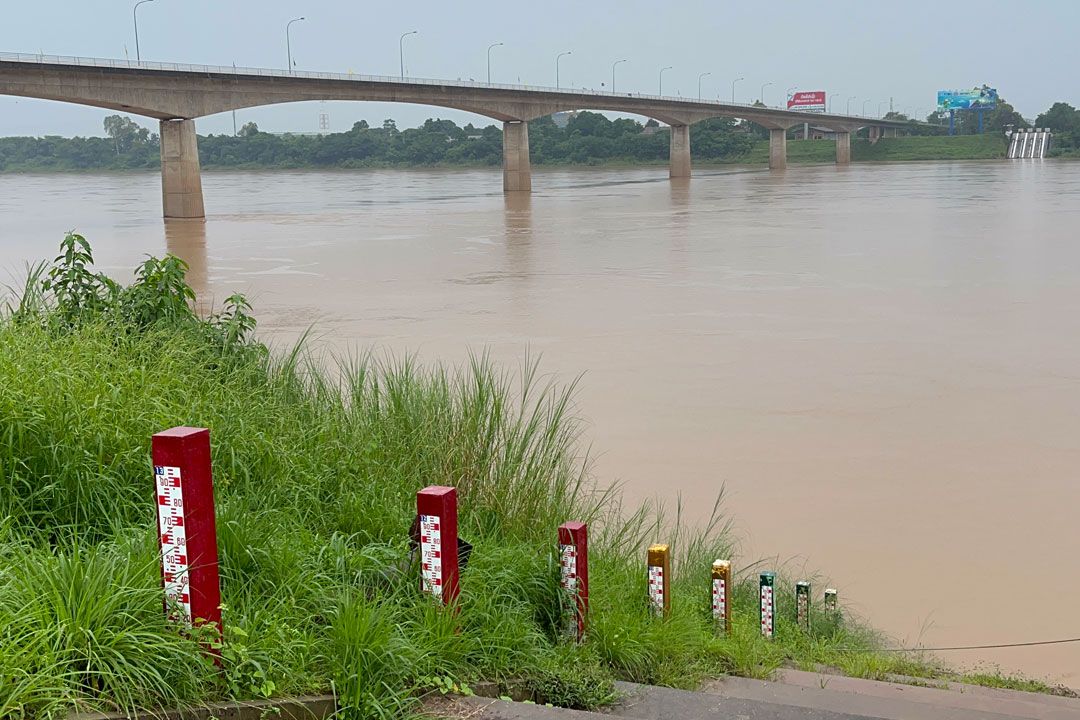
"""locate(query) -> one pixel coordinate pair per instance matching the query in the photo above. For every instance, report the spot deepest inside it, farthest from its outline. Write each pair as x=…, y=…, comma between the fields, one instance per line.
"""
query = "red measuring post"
x=437, y=508
x=574, y=573
x=187, y=532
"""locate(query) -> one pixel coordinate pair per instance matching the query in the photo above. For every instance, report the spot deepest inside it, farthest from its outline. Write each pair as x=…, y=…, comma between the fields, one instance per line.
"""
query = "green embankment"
x=928, y=147
x=315, y=478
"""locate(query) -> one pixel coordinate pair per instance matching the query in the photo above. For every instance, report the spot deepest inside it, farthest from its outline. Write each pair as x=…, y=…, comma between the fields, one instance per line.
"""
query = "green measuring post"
x=802, y=605
x=768, y=604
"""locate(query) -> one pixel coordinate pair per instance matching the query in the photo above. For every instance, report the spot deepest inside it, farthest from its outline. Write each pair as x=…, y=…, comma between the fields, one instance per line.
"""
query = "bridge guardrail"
x=355, y=77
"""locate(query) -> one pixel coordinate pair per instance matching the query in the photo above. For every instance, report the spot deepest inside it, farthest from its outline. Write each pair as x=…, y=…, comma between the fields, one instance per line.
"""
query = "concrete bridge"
x=178, y=94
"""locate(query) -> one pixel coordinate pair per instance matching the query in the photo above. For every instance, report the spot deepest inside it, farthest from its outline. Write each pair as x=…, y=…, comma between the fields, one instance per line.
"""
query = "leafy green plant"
x=79, y=293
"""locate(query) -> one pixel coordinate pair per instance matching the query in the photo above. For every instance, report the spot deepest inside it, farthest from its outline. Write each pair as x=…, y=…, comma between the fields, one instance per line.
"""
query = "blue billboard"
x=980, y=98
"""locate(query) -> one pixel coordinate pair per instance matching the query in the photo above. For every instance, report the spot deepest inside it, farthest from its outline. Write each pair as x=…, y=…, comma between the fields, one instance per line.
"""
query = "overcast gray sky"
x=873, y=50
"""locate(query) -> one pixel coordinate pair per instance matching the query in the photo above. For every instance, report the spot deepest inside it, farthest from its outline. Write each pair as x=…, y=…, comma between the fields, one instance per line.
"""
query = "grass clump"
x=315, y=479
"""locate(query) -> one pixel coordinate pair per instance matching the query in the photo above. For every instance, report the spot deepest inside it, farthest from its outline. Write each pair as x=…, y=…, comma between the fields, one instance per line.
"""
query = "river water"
x=881, y=363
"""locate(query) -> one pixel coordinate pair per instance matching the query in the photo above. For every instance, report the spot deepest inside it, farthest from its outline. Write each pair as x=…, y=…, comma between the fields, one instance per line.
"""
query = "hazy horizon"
x=872, y=52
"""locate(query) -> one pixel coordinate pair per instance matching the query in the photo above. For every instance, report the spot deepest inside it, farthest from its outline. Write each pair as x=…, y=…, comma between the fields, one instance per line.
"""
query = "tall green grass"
x=315, y=478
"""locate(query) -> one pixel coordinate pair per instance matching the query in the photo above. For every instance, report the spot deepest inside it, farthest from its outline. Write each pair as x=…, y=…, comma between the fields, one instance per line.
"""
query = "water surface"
x=881, y=363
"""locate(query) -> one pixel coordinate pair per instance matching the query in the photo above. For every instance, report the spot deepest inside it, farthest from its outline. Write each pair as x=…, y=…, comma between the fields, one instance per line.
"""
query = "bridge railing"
x=355, y=77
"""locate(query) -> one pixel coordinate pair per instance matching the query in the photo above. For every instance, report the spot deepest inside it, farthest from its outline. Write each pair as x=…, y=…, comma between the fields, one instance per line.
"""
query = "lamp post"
x=135, y=18
x=879, y=107
x=828, y=103
x=288, y=40
x=660, y=90
x=490, y=47
x=790, y=93
x=557, y=58
x=401, y=49
x=613, y=73
x=761, y=96
x=848, y=110
x=733, y=89
x=864, y=107
x=704, y=74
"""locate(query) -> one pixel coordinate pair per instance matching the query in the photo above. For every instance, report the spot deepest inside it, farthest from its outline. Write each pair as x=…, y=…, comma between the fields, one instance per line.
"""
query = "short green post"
x=768, y=604
x=802, y=605
x=830, y=602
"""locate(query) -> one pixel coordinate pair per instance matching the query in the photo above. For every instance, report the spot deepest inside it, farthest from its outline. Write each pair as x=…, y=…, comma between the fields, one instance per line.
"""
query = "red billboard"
x=813, y=101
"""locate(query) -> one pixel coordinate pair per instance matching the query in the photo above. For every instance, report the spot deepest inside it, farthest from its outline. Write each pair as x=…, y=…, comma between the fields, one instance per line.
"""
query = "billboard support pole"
x=952, y=122
x=980, y=111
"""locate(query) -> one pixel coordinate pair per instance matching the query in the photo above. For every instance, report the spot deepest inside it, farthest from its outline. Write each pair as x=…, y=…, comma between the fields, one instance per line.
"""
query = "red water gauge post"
x=574, y=575
x=186, y=527
x=437, y=510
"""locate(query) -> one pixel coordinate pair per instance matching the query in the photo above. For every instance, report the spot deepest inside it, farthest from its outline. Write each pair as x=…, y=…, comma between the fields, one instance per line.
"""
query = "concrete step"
x=481, y=708
x=958, y=695
x=644, y=702
x=794, y=696
x=894, y=701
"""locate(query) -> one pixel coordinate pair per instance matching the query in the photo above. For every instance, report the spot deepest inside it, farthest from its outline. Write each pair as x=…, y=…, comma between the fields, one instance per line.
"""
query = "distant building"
x=816, y=133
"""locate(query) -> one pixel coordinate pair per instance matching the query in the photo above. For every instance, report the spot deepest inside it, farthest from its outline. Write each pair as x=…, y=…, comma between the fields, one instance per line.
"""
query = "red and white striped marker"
x=721, y=581
x=574, y=574
x=659, y=560
x=768, y=604
x=437, y=508
x=187, y=531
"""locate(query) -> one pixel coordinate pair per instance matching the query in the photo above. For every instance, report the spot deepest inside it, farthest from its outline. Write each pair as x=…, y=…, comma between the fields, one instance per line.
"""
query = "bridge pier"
x=517, y=170
x=777, y=148
x=181, y=176
x=679, y=154
x=843, y=148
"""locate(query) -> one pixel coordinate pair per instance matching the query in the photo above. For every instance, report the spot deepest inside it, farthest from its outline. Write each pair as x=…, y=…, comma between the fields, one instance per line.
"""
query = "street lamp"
x=704, y=74
x=288, y=41
x=492, y=45
x=879, y=108
x=761, y=97
x=733, y=89
x=864, y=107
x=828, y=103
x=613, y=73
x=661, y=89
x=848, y=110
x=401, y=49
x=557, y=58
x=135, y=17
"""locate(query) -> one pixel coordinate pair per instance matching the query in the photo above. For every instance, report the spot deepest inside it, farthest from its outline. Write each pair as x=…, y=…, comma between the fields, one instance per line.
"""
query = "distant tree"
x=248, y=129
x=1064, y=121
x=362, y=125
x=125, y=132
x=389, y=126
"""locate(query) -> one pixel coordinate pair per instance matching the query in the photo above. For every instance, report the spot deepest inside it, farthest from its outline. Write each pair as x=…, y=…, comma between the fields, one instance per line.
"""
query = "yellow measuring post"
x=660, y=579
x=721, y=587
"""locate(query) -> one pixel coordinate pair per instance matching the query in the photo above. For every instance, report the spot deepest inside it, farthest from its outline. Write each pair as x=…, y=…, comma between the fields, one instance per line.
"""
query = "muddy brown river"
x=880, y=363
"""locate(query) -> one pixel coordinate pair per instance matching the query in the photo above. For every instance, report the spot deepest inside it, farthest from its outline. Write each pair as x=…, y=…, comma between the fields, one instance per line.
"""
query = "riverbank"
x=315, y=478
x=912, y=148
x=588, y=141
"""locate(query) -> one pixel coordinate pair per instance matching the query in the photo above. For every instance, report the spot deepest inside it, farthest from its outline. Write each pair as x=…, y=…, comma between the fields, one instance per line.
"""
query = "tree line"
x=586, y=138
